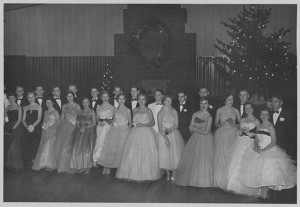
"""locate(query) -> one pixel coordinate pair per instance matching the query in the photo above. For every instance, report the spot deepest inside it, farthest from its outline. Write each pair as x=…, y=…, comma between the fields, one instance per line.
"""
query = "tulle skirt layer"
x=140, y=157
x=224, y=138
x=169, y=157
x=45, y=156
x=82, y=145
x=272, y=168
x=101, y=136
x=113, y=146
x=195, y=167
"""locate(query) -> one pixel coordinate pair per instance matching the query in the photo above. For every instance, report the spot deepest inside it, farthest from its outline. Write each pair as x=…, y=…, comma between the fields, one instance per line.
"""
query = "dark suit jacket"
x=284, y=133
x=128, y=104
x=111, y=101
x=98, y=102
x=56, y=106
x=237, y=105
x=24, y=102
x=184, y=118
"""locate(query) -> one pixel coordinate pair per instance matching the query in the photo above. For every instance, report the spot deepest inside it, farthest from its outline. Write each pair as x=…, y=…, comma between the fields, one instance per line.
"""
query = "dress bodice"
x=31, y=116
x=13, y=115
x=248, y=127
x=168, y=119
x=105, y=113
x=141, y=118
x=227, y=114
x=120, y=119
x=264, y=138
x=50, y=118
x=71, y=112
x=84, y=119
x=201, y=120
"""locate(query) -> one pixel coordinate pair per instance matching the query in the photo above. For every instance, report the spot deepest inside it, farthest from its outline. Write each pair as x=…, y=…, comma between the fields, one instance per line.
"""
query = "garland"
x=160, y=55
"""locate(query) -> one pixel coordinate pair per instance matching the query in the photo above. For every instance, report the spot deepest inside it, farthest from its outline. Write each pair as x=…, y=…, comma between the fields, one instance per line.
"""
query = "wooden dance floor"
x=31, y=186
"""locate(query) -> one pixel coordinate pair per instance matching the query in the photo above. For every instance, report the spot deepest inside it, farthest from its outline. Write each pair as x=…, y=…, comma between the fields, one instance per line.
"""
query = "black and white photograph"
x=149, y=103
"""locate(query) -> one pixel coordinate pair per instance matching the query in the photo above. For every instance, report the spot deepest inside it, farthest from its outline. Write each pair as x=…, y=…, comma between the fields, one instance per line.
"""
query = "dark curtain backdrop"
x=85, y=72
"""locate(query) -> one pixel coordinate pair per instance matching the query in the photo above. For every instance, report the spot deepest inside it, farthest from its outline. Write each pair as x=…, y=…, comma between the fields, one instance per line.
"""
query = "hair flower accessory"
x=281, y=119
x=185, y=110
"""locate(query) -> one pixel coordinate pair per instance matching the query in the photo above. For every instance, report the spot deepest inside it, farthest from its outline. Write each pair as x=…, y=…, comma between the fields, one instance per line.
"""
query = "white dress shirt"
x=94, y=102
x=242, y=109
x=58, y=101
x=133, y=104
x=19, y=100
x=181, y=106
x=40, y=100
x=276, y=115
x=155, y=108
x=116, y=104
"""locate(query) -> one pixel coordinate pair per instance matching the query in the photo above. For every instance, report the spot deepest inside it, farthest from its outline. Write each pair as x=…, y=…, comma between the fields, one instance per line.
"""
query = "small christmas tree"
x=253, y=57
x=108, y=79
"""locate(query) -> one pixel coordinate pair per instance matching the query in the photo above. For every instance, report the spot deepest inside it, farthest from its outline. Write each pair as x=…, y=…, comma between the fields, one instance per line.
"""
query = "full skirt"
x=169, y=157
x=45, y=156
x=101, y=136
x=140, y=157
x=237, y=155
x=113, y=146
x=82, y=144
x=195, y=167
x=224, y=138
x=62, y=153
x=272, y=168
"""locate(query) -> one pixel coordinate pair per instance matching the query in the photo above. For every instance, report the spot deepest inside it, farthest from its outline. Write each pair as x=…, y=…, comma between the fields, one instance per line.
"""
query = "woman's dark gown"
x=31, y=140
x=13, y=141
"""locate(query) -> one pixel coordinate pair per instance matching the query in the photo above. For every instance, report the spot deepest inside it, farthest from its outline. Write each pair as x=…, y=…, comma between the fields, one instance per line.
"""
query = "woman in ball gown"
x=13, y=133
x=70, y=111
x=45, y=156
x=170, y=140
x=113, y=145
x=237, y=155
x=104, y=118
x=225, y=135
x=32, y=115
x=195, y=167
x=83, y=138
x=267, y=165
x=140, y=156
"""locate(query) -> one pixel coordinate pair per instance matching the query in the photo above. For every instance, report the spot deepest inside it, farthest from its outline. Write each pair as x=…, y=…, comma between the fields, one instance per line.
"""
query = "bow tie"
x=134, y=99
x=39, y=97
x=57, y=98
x=276, y=112
x=19, y=99
x=182, y=104
x=159, y=104
x=94, y=99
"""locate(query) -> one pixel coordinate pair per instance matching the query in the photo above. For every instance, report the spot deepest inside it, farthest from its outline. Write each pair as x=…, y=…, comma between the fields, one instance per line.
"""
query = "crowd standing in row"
x=195, y=143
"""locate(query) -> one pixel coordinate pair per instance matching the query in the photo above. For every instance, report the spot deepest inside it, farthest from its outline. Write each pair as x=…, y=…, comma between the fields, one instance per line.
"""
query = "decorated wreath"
x=150, y=44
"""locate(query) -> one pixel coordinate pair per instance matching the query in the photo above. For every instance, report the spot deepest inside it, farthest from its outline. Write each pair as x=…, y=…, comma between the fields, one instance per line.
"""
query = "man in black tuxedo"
x=21, y=99
x=213, y=106
x=185, y=111
x=113, y=100
x=132, y=102
x=73, y=88
x=95, y=100
x=40, y=99
x=282, y=121
x=58, y=102
x=240, y=105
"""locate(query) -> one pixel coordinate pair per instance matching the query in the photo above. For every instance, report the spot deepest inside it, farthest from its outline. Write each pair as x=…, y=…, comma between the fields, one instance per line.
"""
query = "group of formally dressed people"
x=193, y=142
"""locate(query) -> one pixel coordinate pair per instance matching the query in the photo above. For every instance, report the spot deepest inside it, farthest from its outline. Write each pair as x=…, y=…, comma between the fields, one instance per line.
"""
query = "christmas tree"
x=107, y=80
x=255, y=58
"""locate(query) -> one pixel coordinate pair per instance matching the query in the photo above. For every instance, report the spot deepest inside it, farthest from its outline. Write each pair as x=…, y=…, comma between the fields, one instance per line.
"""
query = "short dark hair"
x=227, y=94
x=245, y=89
x=203, y=86
x=279, y=96
x=182, y=91
x=39, y=85
x=248, y=103
x=159, y=90
x=104, y=92
x=72, y=84
x=117, y=87
x=49, y=98
x=72, y=93
x=56, y=86
x=30, y=92
x=11, y=94
x=264, y=109
x=95, y=87
x=20, y=86
x=204, y=98
x=137, y=88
